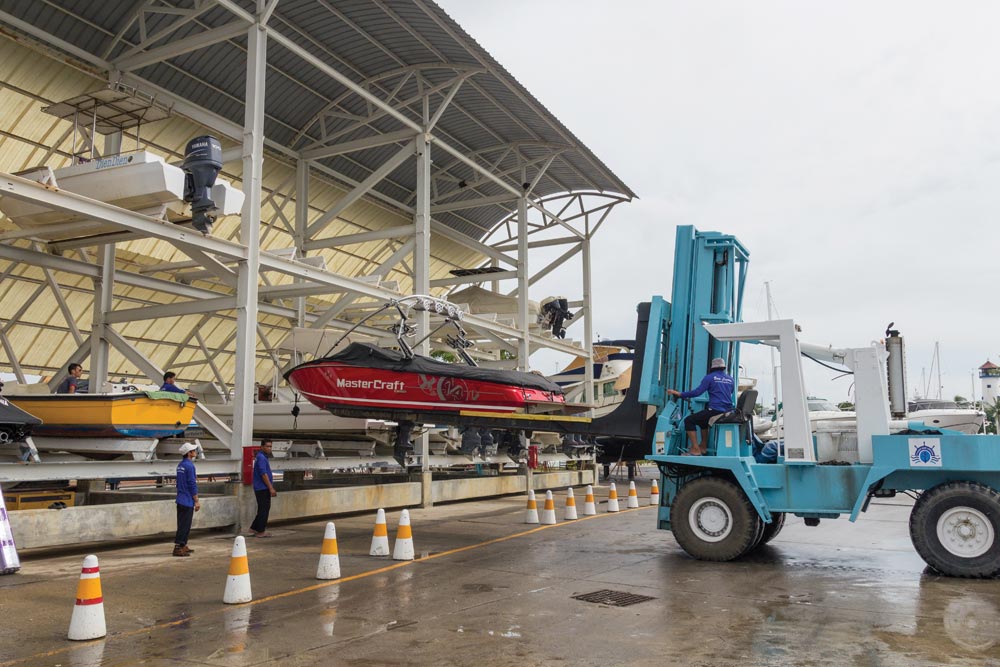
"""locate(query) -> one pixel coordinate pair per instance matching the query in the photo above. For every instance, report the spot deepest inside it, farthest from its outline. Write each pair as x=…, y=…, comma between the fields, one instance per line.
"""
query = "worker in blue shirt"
x=263, y=488
x=169, y=380
x=719, y=386
x=187, y=498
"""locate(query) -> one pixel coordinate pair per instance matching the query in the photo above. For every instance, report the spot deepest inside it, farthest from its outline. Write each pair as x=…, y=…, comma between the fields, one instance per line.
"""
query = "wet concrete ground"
x=489, y=590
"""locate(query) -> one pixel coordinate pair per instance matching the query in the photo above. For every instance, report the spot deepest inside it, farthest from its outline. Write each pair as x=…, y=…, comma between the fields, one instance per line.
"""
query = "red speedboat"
x=367, y=376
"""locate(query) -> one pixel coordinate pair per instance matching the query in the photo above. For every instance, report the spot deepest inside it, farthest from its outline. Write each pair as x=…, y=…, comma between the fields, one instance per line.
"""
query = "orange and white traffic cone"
x=548, y=515
x=87, y=621
x=531, y=516
x=612, y=498
x=589, y=506
x=654, y=493
x=329, y=556
x=403, y=549
x=633, y=497
x=570, y=512
x=238, y=581
x=380, y=538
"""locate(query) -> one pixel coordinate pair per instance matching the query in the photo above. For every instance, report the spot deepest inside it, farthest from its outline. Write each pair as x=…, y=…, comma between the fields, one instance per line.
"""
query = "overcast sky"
x=853, y=147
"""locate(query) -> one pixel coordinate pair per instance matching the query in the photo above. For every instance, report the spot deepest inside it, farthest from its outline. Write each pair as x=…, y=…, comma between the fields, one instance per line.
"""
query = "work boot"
x=181, y=551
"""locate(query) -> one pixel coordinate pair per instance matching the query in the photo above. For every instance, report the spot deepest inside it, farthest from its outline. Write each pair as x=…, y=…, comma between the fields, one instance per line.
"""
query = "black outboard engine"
x=202, y=163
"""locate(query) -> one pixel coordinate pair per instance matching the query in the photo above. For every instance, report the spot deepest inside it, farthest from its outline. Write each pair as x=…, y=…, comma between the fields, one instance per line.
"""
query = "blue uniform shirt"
x=719, y=386
x=187, y=483
x=261, y=467
x=172, y=387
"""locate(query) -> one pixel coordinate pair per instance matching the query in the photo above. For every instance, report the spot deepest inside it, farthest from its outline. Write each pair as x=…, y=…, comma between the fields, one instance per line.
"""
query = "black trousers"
x=259, y=524
x=184, y=517
x=700, y=418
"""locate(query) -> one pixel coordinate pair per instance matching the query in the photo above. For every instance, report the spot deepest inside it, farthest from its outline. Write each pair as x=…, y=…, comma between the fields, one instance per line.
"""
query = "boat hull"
x=132, y=415
x=332, y=384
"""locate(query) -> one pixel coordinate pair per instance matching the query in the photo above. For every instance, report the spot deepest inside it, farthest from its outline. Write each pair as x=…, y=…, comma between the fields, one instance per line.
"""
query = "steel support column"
x=588, y=326
x=524, y=344
x=103, y=294
x=248, y=269
x=301, y=224
x=422, y=278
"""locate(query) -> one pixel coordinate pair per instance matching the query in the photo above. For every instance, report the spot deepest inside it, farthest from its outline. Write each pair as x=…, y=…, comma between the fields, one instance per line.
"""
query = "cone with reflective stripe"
x=654, y=493
x=87, y=621
x=531, y=516
x=238, y=581
x=612, y=498
x=589, y=506
x=329, y=556
x=633, y=497
x=548, y=514
x=570, y=513
x=403, y=548
x=380, y=538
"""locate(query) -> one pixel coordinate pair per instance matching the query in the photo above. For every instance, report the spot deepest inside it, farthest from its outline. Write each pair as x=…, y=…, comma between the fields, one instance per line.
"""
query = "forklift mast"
x=708, y=282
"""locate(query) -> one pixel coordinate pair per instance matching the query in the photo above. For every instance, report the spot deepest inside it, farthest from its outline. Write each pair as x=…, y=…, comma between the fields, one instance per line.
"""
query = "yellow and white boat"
x=137, y=414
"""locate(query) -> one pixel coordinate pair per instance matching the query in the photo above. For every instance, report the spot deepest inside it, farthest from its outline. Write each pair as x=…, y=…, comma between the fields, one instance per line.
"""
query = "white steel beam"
x=248, y=270
x=103, y=295
x=480, y=278
x=178, y=309
x=361, y=237
x=179, y=47
x=356, y=145
x=588, y=327
x=357, y=193
x=524, y=344
x=472, y=203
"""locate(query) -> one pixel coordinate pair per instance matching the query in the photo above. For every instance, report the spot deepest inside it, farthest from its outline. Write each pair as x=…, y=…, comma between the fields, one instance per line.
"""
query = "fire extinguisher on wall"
x=533, y=457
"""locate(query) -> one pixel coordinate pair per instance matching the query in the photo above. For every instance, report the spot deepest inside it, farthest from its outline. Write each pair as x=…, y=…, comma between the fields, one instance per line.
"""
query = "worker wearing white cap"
x=187, y=498
x=719, y=386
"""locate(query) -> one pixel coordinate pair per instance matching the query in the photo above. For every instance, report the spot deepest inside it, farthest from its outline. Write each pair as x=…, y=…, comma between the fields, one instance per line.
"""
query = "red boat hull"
x=330, y=383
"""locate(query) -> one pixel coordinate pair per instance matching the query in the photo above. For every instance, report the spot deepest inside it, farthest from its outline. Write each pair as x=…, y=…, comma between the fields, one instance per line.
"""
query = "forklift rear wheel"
x=713, y=519
x=771, y=530
x=955, y=527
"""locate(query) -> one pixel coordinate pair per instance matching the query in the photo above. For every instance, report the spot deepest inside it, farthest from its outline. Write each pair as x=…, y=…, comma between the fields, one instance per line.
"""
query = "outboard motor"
x=202, y=163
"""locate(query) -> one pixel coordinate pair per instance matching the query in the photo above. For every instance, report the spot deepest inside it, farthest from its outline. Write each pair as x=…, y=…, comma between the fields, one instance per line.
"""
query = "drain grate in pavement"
x=613, y=598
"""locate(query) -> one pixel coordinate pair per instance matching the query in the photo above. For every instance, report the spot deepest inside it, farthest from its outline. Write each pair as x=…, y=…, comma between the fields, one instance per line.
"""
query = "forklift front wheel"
x=713, y=519
x=955, y=527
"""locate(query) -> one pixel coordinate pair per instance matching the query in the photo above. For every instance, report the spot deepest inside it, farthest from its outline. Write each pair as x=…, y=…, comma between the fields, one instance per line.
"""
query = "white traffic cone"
x=612, y=498
x=531, y=516
x=570, y=512
x=380, y=538
x=633, y=497
x=548, y=515
x=403, y=549
x=238, y=581
x=654, y=493
x=87, y=621
x=589, y=506
x=329, y=556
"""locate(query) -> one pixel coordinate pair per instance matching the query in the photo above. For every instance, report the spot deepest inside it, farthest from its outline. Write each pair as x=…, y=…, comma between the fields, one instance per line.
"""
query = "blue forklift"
x=733, y=499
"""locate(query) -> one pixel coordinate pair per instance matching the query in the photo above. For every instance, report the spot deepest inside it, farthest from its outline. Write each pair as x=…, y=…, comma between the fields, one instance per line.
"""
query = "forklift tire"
x=712, y=519
x=955, y=527
x=772, y=529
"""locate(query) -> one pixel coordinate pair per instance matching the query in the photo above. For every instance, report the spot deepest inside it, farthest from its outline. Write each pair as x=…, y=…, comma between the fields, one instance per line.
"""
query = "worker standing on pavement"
x=187, y=498
x=263, y=488
x=719, y=386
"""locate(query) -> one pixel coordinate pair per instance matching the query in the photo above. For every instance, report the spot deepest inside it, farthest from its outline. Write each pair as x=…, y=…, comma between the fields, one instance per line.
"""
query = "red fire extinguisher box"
x=249, y=452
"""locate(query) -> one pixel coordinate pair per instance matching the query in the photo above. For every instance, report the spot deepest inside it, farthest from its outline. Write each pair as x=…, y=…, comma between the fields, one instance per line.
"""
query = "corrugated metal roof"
x=364, y=40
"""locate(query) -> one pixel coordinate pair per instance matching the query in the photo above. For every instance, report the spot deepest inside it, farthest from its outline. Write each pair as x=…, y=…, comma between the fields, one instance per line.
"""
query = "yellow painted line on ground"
x=307, y=589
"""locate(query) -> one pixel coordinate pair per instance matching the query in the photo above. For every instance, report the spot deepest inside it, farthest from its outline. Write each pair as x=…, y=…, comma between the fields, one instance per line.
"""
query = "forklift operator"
x=719, y=386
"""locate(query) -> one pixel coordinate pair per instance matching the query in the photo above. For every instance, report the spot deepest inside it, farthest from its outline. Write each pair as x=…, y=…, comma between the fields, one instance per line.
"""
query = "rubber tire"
x=746, y=528
x=772, y=529
x=923, y=528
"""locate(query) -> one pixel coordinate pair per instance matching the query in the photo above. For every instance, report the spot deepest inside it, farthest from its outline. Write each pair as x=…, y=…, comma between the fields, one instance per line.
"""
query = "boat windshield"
x=931, y=404
x=822, y=405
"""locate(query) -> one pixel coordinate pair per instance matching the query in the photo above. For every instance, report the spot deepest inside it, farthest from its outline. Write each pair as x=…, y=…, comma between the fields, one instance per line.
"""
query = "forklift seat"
x=743, y=413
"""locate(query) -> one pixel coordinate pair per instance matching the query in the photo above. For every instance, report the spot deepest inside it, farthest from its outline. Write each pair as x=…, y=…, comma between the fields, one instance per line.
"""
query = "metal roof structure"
x=393, y=155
